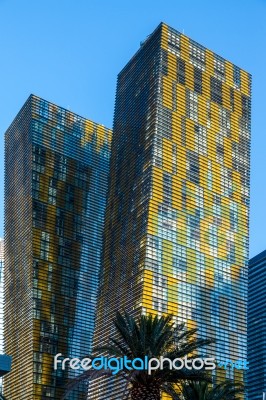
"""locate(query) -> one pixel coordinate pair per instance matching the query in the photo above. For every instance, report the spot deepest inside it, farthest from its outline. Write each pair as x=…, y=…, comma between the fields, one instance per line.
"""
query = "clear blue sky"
x=69, y=52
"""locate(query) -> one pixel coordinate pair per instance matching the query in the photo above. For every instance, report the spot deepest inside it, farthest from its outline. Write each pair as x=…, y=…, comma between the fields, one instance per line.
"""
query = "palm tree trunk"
x=145, y=393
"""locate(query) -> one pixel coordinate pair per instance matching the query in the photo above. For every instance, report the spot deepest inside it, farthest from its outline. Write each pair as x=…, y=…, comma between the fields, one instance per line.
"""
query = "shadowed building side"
x=257, y=327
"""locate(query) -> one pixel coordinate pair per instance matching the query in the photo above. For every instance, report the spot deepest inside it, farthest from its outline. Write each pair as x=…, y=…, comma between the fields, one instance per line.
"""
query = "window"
x=232, y=99
x=164, y=307
x=157, y=153
x=179, y=266
x=59, y=223
x=230, y=251
x=183, y=131
x=69, y=203
x=181, y=76
x=164, y=62
x=215, y=305
x=167, y=221
x=37, y=356
x=193, y=167
x=174, y=158
x=209, y=114
x=226, y=181
x=197, y=80
x=192, y=105
x=216, y=90
x=184, y=194
x=35, y=184
x=45, y=239
x=37, y=293
x=200, y=139
x=38, y=158
x=60, y=167
x=244, y=126
x=43, y=108
x=220, y=152
x=37, y=367
x=225, y=121
x=39, y=214
x=36, y=314
x=237, y=77
x=193, y=231
x=174, y=43
x=48, y=391
x=209, y=175
x=197, y=55
x=217, y=199
x=37, y=304
x=159, y=305
x=52, y=191
x=61, y=116
x=233, y=216
x=219, y=67
x=213, y=236
x=245, y=106
x=165, y=123
x=48, y=327
x=37, y=378
x=155, y=305
x=167, y=187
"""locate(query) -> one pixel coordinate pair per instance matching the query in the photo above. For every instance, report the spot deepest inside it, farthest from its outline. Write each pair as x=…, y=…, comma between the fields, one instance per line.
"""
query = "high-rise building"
x=56, y=169
x=176, y=228
x=1, y=301
x=257, y=327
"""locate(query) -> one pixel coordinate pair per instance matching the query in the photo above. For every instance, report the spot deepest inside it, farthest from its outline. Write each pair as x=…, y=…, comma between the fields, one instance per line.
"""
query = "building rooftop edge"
x=32, y=95
x=203, y=46
x=258, y=257
x=180, y=33
x=63, y=108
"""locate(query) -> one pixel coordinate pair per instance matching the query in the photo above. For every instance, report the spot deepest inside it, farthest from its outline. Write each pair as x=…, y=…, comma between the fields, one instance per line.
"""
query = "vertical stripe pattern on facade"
x=1, y=301
x=257, y=327
x=57, y=165
x=176, y=229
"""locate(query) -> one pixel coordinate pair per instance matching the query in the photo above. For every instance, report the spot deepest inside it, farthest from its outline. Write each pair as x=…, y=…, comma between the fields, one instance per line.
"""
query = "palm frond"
x=171, y=390
x=151, y=336
x=226, y=390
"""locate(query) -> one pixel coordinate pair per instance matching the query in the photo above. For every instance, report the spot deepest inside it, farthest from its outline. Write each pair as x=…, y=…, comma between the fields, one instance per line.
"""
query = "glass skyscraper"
x=56, y=169
x=177, y=220
x=257, y=327
x=1, y=301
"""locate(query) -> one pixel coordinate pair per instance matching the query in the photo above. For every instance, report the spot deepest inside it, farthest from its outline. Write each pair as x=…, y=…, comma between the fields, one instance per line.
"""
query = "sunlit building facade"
x=176, y=228
x=56, y=169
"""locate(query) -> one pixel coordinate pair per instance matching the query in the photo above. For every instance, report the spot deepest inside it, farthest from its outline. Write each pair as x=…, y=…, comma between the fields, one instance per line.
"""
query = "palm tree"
x=226, y=390
x=153, y=337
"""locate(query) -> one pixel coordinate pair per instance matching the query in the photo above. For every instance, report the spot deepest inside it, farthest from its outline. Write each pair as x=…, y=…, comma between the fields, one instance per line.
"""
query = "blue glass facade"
x=257, y=327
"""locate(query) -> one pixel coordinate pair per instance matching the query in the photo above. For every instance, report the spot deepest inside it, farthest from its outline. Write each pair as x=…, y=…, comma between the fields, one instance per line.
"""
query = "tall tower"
x=176, y=229
x=1, y=301
x=257, y=327
x=56, y=169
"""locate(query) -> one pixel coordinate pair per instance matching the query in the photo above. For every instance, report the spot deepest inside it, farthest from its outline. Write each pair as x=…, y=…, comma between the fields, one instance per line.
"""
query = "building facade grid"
x=176, y=228
x=57, y=166
x=257, y=327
